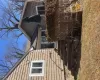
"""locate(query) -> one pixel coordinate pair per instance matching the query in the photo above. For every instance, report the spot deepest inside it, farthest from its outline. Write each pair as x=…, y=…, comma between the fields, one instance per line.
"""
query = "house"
x=64, y=23
x=55, y=58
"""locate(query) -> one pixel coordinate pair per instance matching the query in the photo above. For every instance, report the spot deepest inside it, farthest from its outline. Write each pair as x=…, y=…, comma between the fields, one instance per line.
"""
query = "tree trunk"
x=90, y=55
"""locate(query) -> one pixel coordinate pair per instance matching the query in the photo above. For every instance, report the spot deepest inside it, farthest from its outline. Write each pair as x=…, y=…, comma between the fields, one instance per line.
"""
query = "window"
x=40, y=10
x=44, y=42
x=43, y=39
x=47, y=45
x=37, y=68
x=43, y=33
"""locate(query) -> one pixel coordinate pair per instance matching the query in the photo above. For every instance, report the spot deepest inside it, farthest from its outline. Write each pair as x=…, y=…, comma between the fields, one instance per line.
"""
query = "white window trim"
x=47, y=42
x=37, y=74
x=37, y=10
x=43, y=30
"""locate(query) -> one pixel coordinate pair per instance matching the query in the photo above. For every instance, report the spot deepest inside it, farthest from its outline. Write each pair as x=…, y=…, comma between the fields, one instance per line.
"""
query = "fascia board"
x=19, y=26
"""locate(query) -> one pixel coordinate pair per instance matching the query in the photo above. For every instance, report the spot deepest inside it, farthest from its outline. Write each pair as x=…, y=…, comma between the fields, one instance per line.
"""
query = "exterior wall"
x=53, y=66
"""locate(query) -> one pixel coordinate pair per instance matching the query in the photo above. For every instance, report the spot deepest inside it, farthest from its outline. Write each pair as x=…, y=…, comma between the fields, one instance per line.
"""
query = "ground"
x=90, y=49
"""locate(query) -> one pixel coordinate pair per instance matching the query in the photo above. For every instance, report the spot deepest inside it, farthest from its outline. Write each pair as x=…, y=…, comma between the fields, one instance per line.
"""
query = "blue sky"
x=7, y=41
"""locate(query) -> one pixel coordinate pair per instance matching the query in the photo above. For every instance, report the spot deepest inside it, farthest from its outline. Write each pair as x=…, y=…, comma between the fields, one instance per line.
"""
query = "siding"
x=53, y=66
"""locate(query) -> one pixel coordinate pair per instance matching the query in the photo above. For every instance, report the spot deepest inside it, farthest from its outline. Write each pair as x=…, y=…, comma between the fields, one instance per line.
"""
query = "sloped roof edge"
x=14, y=67
x=19, y=26
x=25, y=5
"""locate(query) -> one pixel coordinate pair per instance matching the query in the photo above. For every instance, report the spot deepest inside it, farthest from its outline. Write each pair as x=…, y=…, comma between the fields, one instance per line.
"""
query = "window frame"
x=37, y=10
x=31, y=67
x=45, y=42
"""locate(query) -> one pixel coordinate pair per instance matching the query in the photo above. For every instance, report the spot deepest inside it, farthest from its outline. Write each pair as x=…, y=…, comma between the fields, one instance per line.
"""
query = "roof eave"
x=20, y=23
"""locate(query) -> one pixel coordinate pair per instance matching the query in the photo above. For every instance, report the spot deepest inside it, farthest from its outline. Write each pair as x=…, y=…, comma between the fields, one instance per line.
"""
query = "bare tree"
x=12, y=56
x=11, y=17
x=18, y=4
x=4, y=68
x=9, y=24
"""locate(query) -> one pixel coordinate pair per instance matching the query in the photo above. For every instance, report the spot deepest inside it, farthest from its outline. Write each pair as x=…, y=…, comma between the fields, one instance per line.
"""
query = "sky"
x=7, y=42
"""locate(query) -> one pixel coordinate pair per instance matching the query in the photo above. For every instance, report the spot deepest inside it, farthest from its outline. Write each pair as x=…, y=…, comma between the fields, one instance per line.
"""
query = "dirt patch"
x=90, y=50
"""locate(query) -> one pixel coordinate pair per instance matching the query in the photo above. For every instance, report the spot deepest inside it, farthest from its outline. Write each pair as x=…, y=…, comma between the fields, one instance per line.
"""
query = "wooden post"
x=39, y=39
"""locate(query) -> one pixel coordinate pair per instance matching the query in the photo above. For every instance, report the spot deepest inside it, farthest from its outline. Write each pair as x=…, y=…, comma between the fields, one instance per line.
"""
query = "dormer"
x=32, y=24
